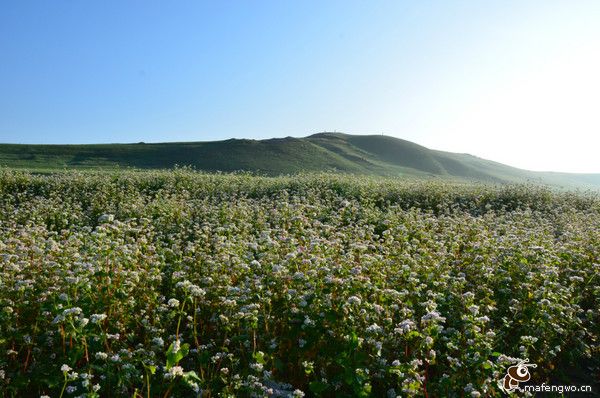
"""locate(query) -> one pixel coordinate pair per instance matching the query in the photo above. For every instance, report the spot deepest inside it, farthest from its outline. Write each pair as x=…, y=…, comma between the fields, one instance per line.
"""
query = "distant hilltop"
x=358, y=154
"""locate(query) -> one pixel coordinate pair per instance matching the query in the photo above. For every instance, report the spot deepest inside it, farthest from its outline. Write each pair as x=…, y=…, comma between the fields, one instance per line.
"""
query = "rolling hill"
x=360, y=154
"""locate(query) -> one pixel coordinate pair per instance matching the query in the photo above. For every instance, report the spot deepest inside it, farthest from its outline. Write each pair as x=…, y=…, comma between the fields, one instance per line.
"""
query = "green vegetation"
x=367, y=155
x=158, y=284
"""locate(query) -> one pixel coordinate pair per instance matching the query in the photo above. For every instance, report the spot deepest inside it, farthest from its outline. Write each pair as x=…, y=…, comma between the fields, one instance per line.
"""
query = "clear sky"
x=513, y=81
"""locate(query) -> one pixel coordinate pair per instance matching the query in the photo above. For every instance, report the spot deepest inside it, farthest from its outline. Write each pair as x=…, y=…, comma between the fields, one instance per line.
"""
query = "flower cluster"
x=177, y=283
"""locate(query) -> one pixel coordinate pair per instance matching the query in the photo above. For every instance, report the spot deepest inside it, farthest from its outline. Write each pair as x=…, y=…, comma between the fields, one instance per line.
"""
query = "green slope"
x=275, y=156
x=360, y=154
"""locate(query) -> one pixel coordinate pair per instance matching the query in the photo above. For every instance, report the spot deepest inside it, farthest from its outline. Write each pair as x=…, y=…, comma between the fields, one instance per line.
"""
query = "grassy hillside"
x=359, y=154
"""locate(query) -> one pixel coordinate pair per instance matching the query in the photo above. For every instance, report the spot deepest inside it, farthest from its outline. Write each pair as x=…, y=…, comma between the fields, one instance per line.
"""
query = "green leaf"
x=173, y=358
x=259, y=357
x=366, y=390
x=317, y=387
x=191, y=376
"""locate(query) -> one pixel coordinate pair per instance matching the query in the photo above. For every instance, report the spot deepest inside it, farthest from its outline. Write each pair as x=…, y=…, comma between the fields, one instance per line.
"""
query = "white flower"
x=432, y=316
x=404, y=327
x=65, y=368
x=298, y=275
x=257, y=366
x=468, y=295
x=176, y=346
x=105, y=218
x=173, y=303
x=72, y=311
x=97, y=318
x=174, y=372
x=528, y=339
x=190, y=288
x=196, y=291
x=474, y=309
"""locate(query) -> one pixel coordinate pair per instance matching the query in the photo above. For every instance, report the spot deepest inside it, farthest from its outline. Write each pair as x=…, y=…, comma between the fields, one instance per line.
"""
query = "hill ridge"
x=325, y=151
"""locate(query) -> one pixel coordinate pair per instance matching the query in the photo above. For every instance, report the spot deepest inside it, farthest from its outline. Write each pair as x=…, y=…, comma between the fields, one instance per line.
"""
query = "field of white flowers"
x=182, y=284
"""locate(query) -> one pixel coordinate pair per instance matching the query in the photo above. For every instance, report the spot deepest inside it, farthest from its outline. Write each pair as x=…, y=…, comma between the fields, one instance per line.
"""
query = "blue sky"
x=512, y=81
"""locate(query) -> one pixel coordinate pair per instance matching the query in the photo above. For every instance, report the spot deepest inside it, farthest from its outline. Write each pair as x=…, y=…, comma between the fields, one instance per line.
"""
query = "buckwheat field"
x=183, y=284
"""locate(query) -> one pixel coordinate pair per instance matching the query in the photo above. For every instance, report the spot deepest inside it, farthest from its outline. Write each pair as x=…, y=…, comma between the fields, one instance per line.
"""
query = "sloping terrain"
x=360, y=154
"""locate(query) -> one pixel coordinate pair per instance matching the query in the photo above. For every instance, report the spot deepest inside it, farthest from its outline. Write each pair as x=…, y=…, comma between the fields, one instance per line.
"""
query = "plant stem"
x=64, y=385
x=179, y=320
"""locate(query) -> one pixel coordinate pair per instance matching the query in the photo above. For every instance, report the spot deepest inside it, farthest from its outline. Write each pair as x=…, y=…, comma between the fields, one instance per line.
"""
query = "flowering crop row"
x=187, y=284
